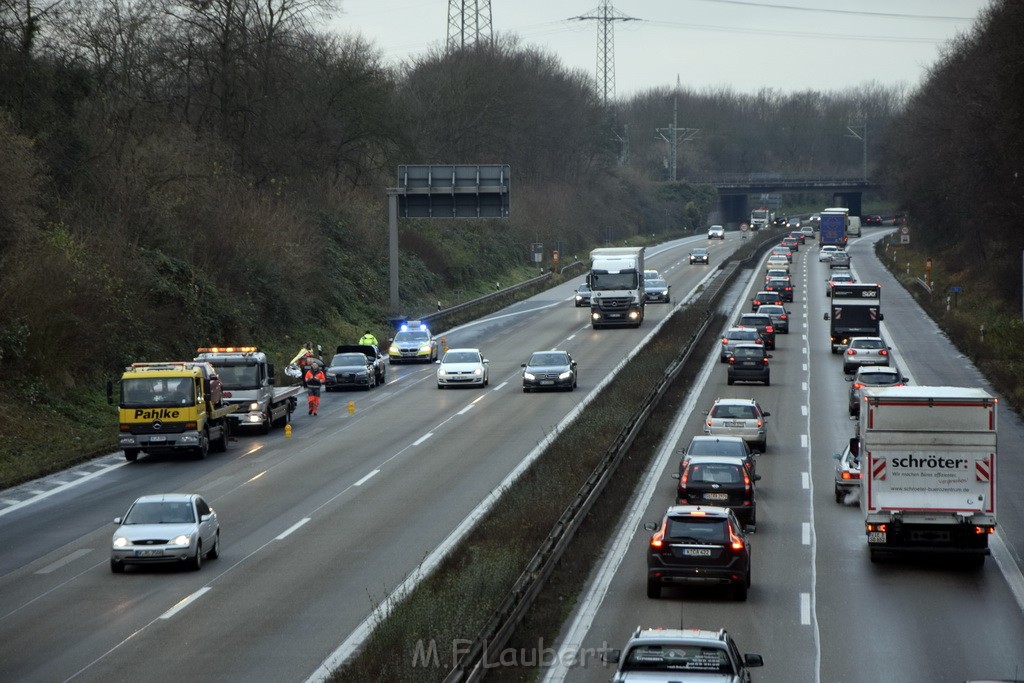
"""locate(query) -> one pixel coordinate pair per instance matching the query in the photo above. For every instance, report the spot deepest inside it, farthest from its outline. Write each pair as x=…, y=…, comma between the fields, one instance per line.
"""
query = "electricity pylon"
x=605, y=15
x=469, y=23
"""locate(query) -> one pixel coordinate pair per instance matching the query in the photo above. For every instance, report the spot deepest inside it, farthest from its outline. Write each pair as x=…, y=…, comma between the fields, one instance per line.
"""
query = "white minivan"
x=853, y=227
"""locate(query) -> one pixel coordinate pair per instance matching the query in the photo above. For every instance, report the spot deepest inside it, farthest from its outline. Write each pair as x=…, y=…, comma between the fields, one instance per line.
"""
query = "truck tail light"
x=981, y=530
x=877, y=527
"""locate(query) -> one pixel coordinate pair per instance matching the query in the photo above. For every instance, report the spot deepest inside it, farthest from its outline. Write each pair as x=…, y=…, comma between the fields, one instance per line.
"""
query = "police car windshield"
x=412, y=335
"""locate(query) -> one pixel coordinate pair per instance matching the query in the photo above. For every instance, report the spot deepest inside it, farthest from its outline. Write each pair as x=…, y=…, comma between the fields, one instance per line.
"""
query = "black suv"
x=784, y=287
x=722, y=480
x=698, y=544
x=764, y=324
x=749, y=363
x=681, y=654
x=764, y=297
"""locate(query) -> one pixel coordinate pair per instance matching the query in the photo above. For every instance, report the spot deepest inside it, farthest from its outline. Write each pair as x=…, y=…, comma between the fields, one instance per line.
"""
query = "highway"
x=818, y=609
x=317, y=529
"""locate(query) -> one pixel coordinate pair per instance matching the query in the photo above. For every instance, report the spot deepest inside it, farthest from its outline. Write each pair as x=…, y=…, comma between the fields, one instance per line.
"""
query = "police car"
x=413, y=343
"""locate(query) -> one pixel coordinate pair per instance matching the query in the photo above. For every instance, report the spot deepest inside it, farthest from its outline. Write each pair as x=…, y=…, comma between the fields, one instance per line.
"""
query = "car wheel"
x=265, y=426
x=220, y=444
x=739, y=591
x=768, y=381
x=839, y=495
x=195, y=563
x=762, y=446
x=215, y=550
x=847, y=369
x=204, y=445
x=526, y=390
x=131, y=454
x=117, y=567
x=653, y=589
x=440, y=386
x=729, y=381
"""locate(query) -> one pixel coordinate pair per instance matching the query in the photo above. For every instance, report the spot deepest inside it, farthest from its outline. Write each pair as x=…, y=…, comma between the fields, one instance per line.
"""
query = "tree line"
x=181, y=172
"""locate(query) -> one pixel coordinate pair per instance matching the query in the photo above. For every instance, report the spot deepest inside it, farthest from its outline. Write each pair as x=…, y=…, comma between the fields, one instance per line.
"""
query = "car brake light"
x=851, y=475
x=699, y=513
x=883, y=352
x=760, y=423
x=657, y=539
x=858, y=385
x=785, y=317
x=765, y=361
x=746, y=481
x=735, y=541
x=709, y=423
x=732, y=359
x=683, y=479
x=851, y=352
x=725, y=340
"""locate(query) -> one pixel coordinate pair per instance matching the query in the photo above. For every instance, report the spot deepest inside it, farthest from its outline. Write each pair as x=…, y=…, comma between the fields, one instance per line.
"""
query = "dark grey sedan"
x=549, y=370
x=351, y=370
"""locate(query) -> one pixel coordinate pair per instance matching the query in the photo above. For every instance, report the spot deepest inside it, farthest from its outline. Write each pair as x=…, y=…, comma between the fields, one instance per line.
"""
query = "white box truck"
x=616, y=280
x=928, y=470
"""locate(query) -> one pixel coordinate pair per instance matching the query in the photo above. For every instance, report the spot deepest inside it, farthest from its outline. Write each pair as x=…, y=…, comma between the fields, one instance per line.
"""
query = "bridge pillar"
x=851, y=200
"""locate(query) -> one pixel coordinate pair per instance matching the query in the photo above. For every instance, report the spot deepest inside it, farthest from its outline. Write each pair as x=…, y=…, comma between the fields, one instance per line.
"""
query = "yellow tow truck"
x=171, y=407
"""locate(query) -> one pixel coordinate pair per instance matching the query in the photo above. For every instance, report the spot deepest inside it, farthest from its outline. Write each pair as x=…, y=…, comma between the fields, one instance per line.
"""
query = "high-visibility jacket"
x=368, y=339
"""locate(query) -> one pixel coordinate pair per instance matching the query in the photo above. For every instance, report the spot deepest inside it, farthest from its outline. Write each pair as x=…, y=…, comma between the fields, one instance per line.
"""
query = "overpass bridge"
x=735, y=190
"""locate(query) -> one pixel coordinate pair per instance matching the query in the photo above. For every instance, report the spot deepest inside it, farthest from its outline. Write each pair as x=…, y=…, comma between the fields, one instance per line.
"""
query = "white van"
x=853, y=226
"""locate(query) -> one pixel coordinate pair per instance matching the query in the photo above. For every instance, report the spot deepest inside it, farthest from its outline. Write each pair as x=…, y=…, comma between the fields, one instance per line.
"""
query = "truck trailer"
x=616, y=280
x=856, y=311
x=928, y=464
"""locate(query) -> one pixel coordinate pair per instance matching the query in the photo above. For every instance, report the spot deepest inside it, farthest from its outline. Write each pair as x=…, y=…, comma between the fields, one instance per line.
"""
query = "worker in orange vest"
x=314, y=380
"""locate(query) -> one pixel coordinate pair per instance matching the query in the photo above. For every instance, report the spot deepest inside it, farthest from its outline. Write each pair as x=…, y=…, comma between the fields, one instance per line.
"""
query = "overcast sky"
x=789, y=45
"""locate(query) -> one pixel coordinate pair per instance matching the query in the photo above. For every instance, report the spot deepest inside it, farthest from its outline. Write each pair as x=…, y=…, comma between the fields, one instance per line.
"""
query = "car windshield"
x=677, y=657
x=613, y=281
x=867, y=344
x=346, y=359
x=583, y=288
x=548, y=359
x=778, y=282
x=744, y=335
x=715, y=473
x=756, y=320
x=699, y=252
x=161, y=513
x=771, y=309
x=716, y=447
x=462, y=357
x=748, y=352
x=656, y=284
x=698, y=529
x=734, y=412
x=412, y=336
x=878, y=378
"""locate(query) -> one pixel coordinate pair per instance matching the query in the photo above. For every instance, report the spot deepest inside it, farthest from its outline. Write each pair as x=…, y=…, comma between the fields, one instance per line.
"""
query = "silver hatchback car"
x=166, y=528
x=865, y=351
x=735, y=336
x=742, y=417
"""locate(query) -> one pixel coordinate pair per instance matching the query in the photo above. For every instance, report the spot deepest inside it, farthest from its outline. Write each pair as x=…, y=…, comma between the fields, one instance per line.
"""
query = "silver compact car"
x=872, y=376
x=549, y=370
x=462, y=367
x=742, y=417
x=847, y=473
x=865, y=351
x=716, y=232
x=166, y=528
x=735, y=336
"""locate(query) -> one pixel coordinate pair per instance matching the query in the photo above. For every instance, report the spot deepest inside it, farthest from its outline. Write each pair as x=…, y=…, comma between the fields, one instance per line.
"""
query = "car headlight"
x=393, y=349
x=254, y=406
x=425, y=348
x=441, y=372
x=121, y=542
x=478, y=372
x=529, y=375
x=181, y=539
x=565, y=375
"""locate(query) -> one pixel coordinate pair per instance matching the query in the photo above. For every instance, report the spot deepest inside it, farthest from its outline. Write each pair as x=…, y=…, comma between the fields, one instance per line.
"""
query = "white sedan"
x=826, y=252
x=166, y=528
x=462, y=367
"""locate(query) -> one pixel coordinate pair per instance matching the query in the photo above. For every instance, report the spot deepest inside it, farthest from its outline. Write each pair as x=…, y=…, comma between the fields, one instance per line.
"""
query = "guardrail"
x=495, y=634
x=924, y=285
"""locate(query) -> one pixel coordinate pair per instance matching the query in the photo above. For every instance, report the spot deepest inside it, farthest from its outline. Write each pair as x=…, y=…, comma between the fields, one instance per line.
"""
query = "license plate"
x=716, y=496
x=149, y=553
x=876, y=537
x=547, y=381
x=158, y=438
x=697, y=552
x=733, y=424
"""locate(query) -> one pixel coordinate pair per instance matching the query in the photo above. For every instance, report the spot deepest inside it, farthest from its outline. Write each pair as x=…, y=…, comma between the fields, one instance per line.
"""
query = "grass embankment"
x=975, y=319
x=454, y=603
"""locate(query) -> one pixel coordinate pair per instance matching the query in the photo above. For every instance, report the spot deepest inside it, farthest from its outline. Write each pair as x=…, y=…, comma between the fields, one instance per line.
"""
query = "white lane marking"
x=423, y=438
x=292, y=529
x=11, y=501
x=477, y=399
x=499, y=387
x=570, y=337
x=805, y=533
x=803, y=386
x=1011, y=572
x=59, y=489
x=805, y=610
x=255, y=477
x=367, y=478
x=805, y=480
x=184, y=603
x=60, y=563
x=803, y=410
x=465, y=410
x=803, y=441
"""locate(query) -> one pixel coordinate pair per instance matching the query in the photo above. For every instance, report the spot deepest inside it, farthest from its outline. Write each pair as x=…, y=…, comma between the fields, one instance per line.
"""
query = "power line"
x=829, y=10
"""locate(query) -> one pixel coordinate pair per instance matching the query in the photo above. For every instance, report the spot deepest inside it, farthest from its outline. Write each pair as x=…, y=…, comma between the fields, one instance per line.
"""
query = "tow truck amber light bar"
x=227, y=349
